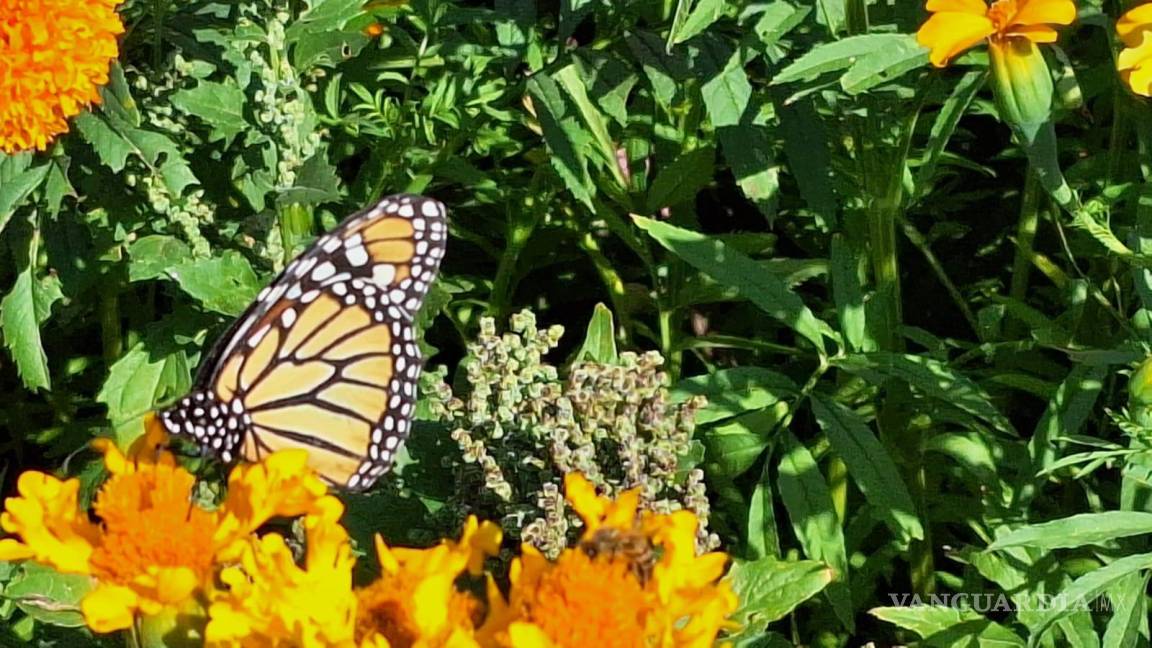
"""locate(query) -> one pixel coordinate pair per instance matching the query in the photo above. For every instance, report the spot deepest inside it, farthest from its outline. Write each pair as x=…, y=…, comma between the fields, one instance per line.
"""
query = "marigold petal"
x=1035, y=33
x=528, y=635
x=581, y=494
x=109, y=608
x=51, y=527
x=54, y=56
x=948, y=34
x=974, y=7
x=280, y=485
x=1134, y=25
x=1044, y=12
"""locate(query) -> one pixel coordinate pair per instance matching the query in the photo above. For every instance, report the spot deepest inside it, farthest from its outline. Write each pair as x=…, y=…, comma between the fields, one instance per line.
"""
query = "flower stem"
x=295, y=226
x=1025, y=237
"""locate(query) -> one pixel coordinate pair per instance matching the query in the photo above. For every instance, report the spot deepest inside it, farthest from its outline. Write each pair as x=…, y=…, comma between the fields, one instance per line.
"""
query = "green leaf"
x=734, y=447
x=809, y=502
x=219, y=105
x=225, y=284
x=703, y=14
x=563, y=136
x=777, y=19
x=735, y=391
x=948, y=626
x=870, y=466
x=726, y=95
x=600, y=338
x=144, y=376
x=727, y=266
x=1065, y=415
x=316, y=182
x=748, y=149
x=933, y=378
x=1129, y=623
x=867, y=58
x=1077, y=531
x=49, y=596
x=322, y=19
x=680, y=181
x=963, y=92
x=112, y=149
x=22, y=310
x=848, y=294
x=769, y=589
x=153, y=255
x=13, y=190
x=1084, y=589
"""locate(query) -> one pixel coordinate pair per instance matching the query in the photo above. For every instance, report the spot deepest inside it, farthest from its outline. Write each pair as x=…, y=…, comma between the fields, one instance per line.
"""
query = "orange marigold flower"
x=152, y=548
x=415, y=603
x=1135, y=60
x=634, y=580
x=54, y=56
x=956, y=25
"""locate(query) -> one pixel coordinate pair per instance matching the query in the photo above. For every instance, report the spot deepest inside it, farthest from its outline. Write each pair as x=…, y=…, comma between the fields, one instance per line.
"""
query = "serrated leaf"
x=963, y=627
x=225, y=284
x=933, y=378
x=112, y=149
x=219, y=105
x=145, y=375
x=316, y=182
x=19, y=312
x=730, y=267
x=14, y=190
x=870, y=466
x=563, y=136
x=1076, y=531
x=680, y=181
x=769, y=589
x=153, y=256
x=700, y=18
x=807, y=498
x=726, y=95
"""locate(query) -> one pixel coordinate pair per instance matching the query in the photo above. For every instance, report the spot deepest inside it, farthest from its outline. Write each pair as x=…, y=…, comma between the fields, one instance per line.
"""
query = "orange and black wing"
x=326, y=357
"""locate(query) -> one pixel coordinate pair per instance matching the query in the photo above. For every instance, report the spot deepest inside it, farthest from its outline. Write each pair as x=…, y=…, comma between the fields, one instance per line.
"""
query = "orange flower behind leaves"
x=415, y=603
x=54, y=56
x=634, y=580
x=1135, y=61
x=152, y=548
x=956, y=25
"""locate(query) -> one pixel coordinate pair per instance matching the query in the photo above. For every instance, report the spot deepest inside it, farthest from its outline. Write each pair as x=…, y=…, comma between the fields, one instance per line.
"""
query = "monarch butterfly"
x=326, y=357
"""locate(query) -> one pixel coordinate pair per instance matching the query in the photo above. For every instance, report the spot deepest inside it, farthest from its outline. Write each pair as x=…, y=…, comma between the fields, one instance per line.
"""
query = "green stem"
x=1025, y=237
x=295, y=226
x=521, y=224
x=612, y=282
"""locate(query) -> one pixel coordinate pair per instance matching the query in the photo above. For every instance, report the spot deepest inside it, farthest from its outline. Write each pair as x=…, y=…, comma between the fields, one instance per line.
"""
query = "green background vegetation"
x=912, y=352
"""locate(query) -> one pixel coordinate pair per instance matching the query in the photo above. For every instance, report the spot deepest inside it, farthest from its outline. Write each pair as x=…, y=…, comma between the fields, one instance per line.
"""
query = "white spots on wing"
x=383, y=274
x=430, y=208
x=422, y=248
x=309, y=296
x=294, y=291
x=330, y=244
x=288, y=317
x=406, y=211
x=357, y=256
x=340, y=288
x=323, y=271
x=259, y=335
x=396, y=295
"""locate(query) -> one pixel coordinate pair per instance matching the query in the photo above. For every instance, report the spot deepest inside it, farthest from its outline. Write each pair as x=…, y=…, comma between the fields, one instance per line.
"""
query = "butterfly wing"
x=326, y=357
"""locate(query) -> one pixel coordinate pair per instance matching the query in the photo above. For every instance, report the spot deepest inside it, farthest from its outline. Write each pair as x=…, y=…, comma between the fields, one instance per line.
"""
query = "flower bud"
x=1140, y=385
x=1021, y=82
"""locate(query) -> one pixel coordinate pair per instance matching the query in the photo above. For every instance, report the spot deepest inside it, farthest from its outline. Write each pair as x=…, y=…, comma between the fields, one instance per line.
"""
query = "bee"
x=631, y=546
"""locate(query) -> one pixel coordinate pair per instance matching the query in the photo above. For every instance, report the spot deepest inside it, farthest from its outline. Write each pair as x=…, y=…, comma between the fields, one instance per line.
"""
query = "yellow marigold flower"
x=415, y=603
x=956, y=25
x=634, y=580
x=153, y=548
x=54, y=56
x=268, y=600
x=1135, y=60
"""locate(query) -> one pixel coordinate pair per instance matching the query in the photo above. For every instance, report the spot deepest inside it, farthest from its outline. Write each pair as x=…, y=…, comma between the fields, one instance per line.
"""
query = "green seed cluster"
x=521, y=427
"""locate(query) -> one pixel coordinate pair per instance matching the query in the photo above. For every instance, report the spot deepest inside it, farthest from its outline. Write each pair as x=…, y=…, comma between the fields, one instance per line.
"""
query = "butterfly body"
x=326, y=357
